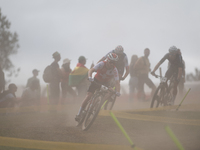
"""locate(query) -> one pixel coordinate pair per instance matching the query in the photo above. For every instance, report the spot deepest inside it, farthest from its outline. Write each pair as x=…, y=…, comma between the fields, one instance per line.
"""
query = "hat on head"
x=35, y=70
x=82, y=58
x=55, y=54
x=66, y=61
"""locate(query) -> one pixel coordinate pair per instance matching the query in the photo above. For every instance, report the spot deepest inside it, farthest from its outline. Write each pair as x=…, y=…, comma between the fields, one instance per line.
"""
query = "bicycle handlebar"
x=114, y=92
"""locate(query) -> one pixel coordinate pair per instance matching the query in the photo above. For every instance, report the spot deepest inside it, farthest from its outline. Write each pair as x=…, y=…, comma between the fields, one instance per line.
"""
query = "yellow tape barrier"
x=35, y=144
x=151, y=118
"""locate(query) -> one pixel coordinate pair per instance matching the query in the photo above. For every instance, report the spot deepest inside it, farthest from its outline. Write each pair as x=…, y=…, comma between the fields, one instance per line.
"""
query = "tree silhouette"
x=8, y=46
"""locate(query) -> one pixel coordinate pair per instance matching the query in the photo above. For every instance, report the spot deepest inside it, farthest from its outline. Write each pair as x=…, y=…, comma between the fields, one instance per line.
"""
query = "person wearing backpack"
x=53, y=73
x=133, y=82
x=142, y=67
x=66, y=70
x=8, y=98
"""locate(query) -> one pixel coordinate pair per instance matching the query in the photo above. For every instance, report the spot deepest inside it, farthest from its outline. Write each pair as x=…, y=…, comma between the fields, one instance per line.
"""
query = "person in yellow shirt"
x=142, y=67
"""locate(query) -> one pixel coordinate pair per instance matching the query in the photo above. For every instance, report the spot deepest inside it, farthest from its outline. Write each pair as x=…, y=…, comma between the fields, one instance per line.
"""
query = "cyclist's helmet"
x=112, y=57
x=173, y=50
x=119, y=49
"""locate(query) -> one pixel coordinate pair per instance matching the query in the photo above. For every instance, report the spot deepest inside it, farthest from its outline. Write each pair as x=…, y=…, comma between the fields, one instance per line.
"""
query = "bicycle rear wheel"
x=157, y=97
x=92, y=113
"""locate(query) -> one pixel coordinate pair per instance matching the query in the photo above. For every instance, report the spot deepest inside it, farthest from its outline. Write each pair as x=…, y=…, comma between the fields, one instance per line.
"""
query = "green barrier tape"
x=173, y=137
x=104, y=104
x=122, y=129
x=183, y=99
x=47, y=93
x=105, y=101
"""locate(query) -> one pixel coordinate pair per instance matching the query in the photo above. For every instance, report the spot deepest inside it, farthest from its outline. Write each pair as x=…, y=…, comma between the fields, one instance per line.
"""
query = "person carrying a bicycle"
x=122, y=63
x=175, y=68
x=105, y=71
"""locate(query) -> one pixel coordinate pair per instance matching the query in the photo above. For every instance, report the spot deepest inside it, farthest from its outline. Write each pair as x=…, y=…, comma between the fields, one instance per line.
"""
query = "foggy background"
x=93, y=28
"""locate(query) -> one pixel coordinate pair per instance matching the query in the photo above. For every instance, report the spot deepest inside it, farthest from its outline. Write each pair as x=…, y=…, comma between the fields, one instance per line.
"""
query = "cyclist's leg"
x=175, y=88
x=169, y=73
x=93, y=87
x=181, y=87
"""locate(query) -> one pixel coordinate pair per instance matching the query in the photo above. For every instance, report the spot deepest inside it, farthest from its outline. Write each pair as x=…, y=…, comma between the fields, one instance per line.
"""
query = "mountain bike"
x=163, y=95
x=92, y=108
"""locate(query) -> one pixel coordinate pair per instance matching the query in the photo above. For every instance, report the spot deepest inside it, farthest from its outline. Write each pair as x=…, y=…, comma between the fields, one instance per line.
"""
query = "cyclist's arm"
x=159, y=63
x=102, y=59
x=117, y=85
x=126, y=68
x=156, y=67
x=90, y=72
x=126, y=73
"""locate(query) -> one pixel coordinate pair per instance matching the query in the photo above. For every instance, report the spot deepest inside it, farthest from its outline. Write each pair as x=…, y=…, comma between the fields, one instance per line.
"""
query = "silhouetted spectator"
x=54, y=85
x=38, y=88
x=66, y=70
x=8, y=98
x=133, y=82
x=78, y=78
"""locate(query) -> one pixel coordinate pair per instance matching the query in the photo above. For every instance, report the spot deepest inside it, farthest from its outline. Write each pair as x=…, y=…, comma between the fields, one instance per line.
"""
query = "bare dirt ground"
x=147, y=134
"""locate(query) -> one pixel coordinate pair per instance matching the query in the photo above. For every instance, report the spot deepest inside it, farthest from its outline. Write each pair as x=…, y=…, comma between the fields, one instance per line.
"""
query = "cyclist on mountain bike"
x=121, y=63
x=176, y=66
x=105, y=71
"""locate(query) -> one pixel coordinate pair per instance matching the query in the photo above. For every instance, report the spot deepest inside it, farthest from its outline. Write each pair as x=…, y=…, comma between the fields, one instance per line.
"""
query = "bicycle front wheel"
x=157, y=97
x=83, y=114
x=110, y=103
x=92, y=113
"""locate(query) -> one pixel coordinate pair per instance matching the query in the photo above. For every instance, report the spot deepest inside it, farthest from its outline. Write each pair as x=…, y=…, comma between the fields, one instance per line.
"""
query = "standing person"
x=122, y=63
x=176, y=67
x=133, y=82
x=54, y=85
x=2, y=80
x=105, y=71
x=8, y=97
x=78, y=77
x=66, y=70
x=37, y=82
x=142, y=67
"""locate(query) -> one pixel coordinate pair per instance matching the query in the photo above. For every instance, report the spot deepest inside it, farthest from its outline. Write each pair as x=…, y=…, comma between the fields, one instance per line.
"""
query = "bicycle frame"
x=163, y=94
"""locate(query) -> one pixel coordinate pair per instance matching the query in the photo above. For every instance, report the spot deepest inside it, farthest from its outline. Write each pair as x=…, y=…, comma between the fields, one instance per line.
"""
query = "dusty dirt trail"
x=146, y=134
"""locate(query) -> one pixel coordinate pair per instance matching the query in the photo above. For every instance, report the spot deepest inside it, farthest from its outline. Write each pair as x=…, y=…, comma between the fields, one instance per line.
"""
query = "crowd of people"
x=110, y=69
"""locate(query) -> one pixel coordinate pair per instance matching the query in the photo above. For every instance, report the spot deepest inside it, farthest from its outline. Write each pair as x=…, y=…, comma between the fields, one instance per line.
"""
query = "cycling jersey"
x=176, y=63
x=104, y=74
x=121, y=63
